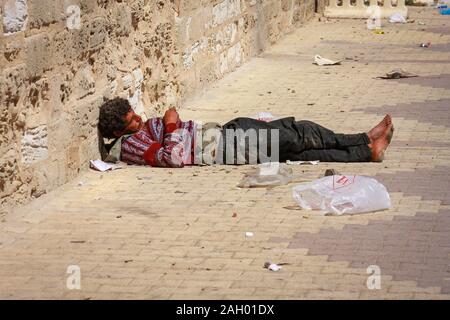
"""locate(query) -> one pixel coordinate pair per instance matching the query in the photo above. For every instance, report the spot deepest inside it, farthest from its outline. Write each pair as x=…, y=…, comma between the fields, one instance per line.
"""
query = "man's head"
x=117, y=118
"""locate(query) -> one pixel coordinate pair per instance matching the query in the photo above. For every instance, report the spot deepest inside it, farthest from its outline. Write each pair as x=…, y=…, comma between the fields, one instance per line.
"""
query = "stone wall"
x=60, y=60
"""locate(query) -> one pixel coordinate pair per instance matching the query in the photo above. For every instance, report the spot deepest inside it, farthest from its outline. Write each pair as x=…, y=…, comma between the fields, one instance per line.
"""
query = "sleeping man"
x=170, y=142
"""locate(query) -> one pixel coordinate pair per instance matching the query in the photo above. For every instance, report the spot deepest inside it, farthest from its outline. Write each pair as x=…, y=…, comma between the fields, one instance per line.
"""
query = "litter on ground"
x=266, y=175
x=314, y=163
x=102, y=166
x=398, y=74
x=342, y=194
x=320, y=61
x=397, y=17
x=272, y=266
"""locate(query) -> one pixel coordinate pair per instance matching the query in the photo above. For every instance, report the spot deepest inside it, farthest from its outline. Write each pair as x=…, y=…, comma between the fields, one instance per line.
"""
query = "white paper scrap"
x=102, y=166
x=274, y=267
x=314, y=163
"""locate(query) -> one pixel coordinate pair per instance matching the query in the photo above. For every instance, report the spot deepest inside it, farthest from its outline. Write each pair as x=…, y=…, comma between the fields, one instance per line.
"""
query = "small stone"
x=331, y=172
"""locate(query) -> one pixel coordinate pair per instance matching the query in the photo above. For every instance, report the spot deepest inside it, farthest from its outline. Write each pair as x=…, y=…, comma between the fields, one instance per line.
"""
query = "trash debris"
x=425, y=45
x=102, y=166
x=397, y=74
x=265, y=116
x=267, y=174
x=341, y=194
x=314, y=163
x=421, y=23
x=444, y=11
x=378, y=31
x=397, y=17
x=442, y=5
x=325, y=62
x=144, y=178
x=292, y=208
x=249, y=234
x=234, y=215
x=81, y=183
x=78, y=241
x=331, y=172
x=272, y=266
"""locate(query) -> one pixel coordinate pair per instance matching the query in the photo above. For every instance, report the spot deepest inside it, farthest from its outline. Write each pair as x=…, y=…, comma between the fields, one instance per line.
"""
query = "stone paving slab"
x=154, y=233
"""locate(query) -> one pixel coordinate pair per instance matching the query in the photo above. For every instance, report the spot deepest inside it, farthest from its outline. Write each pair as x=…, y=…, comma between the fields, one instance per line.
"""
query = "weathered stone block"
x=12, y=80
x=127, y=81
x=84, y=116
x=208, y=73
x=271, y=10
x=39, y=55
x=15, y=16
x=286, y=5
x=190, y=54
x=9, y=173
x=220, y=13
x=83, y=83
x=138, y=77
x=45, y=12
x=121, y=20
x=110, y=90
x=97, y=33
x=87, y=6
x=13, y=50
x=196, y=26
x=34, y=145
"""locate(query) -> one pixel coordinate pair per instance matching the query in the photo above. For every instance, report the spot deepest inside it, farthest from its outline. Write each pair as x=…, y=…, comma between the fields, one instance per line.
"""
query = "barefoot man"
x=170, y=142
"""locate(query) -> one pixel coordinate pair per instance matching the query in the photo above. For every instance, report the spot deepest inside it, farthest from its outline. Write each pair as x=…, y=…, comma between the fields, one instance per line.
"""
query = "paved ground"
x=170, y=233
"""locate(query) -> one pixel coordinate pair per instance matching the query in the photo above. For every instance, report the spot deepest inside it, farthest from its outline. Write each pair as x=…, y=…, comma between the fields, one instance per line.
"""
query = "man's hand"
x=171, y=116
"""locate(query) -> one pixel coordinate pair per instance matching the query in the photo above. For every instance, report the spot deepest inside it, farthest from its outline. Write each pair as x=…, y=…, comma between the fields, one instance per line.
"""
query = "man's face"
x=133, y=123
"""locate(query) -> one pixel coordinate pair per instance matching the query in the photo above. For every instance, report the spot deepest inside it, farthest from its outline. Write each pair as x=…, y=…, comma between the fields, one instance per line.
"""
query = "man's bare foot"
x=377, y=148
x=379, y=145
x=380, y=128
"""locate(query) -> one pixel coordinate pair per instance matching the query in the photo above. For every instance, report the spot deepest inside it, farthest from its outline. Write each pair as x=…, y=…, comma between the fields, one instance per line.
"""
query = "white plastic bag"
x=397, y=17
x=267, y=175
x=341, y=194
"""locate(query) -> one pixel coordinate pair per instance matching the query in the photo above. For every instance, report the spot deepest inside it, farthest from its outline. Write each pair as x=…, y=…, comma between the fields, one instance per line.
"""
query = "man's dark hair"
x=111, y=117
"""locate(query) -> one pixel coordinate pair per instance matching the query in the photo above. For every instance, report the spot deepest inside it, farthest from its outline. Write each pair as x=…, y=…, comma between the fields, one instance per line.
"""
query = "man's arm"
x=171, y=153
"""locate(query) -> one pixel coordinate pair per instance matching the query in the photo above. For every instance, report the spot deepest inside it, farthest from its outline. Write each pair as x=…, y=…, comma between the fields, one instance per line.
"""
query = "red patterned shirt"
x=160, y=146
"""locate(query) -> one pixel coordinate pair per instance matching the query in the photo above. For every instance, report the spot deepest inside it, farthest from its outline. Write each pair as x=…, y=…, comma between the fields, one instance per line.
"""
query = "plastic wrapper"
x=342, y=194
x=267, y=175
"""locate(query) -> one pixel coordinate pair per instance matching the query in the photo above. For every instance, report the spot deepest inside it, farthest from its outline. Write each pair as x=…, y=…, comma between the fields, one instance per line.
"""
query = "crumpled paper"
x=320, y=61
x=102, y=166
